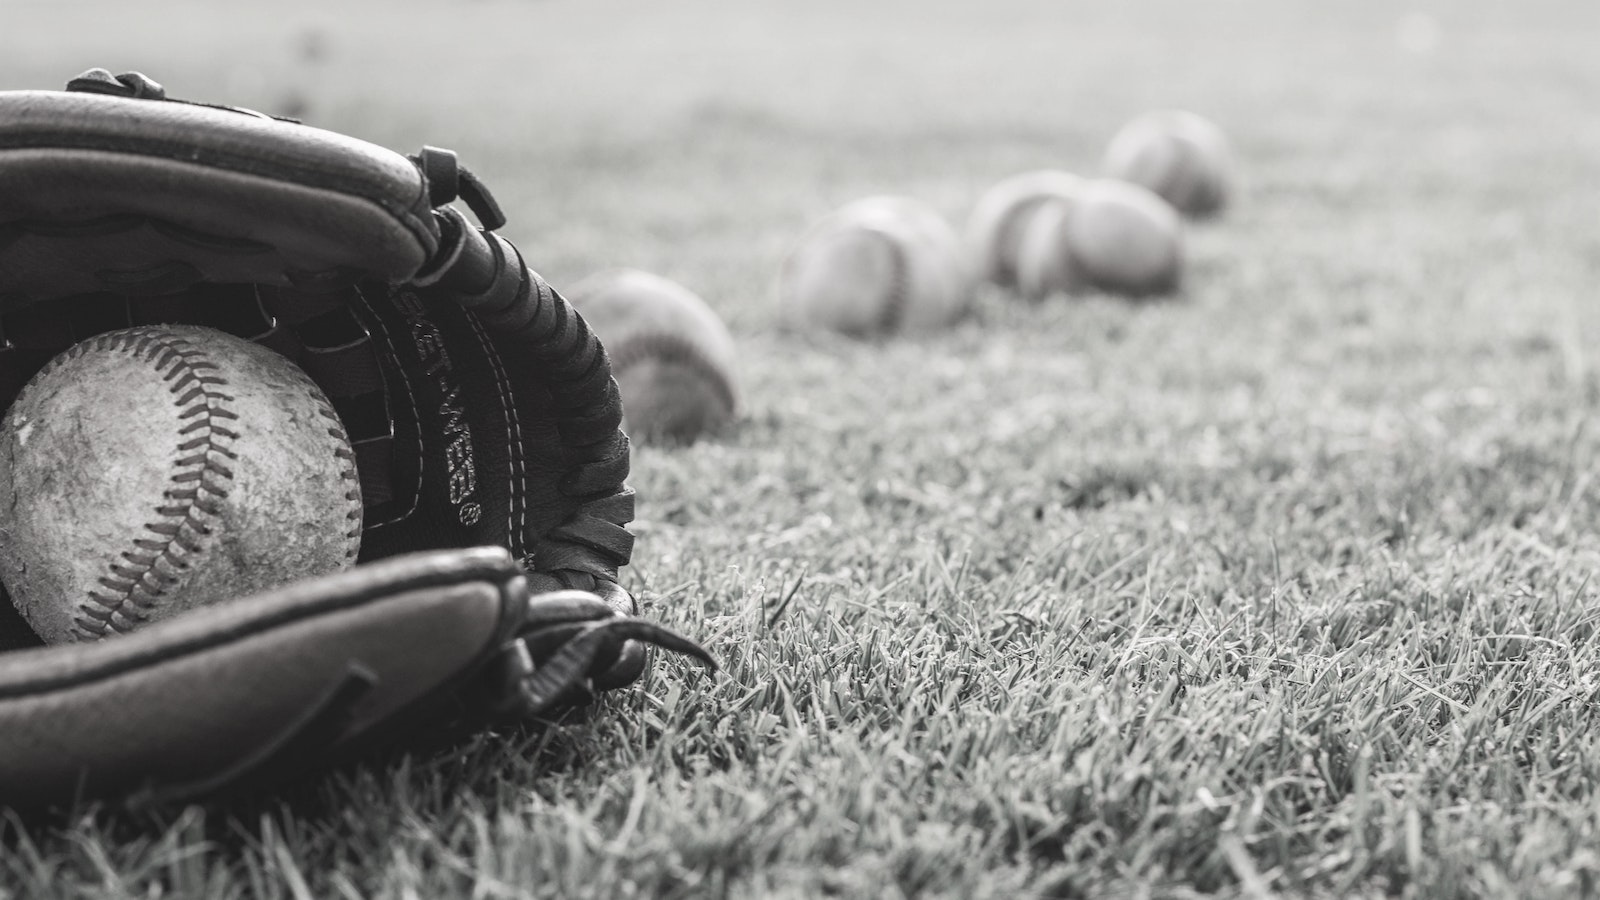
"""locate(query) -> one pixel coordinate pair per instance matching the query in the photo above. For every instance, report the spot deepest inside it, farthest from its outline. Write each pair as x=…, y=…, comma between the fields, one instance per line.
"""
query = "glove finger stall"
x=103, y=192
x=197, y=699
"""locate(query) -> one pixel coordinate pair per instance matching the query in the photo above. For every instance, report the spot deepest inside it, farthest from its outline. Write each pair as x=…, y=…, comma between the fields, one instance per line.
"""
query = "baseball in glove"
x=481, y=410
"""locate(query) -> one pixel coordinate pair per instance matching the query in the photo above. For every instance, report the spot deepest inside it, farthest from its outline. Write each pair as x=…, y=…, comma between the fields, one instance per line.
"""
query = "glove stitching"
x=199, y=482
x=517, y=506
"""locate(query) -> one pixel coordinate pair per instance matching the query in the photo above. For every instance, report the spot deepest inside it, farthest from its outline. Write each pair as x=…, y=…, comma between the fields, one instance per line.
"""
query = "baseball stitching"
x=895, y=304
x=348, y=474
x=675, y=350
x=199, y=482
x=1185, y=176
x=201, y=479
x=1005, y=248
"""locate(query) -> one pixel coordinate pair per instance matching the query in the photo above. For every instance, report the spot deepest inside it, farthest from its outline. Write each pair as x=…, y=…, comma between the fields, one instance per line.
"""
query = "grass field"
x=1282, y=587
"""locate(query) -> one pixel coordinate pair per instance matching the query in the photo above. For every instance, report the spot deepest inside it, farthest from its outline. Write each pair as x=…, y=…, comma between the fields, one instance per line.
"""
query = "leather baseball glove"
x=480, y=407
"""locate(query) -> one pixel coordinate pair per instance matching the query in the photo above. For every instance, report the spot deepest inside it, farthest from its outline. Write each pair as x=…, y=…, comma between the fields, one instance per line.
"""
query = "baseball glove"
x=480, y=407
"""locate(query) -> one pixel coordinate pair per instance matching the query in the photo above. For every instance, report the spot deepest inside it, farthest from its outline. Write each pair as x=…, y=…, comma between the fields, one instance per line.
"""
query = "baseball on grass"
x=1181, y=156
x=1044, y=262
x=147, y=471
x=672, y=356
x=1000, y=219
x=1120, y=238
x=878, y=266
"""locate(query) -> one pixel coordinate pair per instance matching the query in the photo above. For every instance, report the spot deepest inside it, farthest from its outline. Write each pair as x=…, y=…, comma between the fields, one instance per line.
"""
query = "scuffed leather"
x=192, y=697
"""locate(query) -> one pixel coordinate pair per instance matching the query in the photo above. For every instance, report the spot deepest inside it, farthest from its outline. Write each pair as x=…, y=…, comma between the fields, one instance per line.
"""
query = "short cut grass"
x=1282, y=586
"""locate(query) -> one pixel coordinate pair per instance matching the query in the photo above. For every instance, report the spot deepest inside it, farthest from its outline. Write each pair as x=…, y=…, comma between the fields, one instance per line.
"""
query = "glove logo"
x=459, y=457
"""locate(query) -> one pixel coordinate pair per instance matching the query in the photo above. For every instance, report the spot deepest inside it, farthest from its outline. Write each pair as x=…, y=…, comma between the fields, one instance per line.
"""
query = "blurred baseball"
x=1002, y=216
x=1045, y=264
x=1181, y=156
x=878, y=266
x=1124, y=239
x=672, y=356
x=148, y=471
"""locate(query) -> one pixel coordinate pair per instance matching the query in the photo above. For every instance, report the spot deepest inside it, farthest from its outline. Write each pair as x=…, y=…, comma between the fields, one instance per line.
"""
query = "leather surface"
x=193, y=696
x=218, y=139
x=74, y=222
x=317, y=198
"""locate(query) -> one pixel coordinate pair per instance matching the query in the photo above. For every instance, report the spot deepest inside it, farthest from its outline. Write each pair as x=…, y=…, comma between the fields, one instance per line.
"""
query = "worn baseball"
x=148, y=471
x=1124, y=239
x=878, y=266
x=1181, y=156
x=672, y=356
x=1002, y=215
